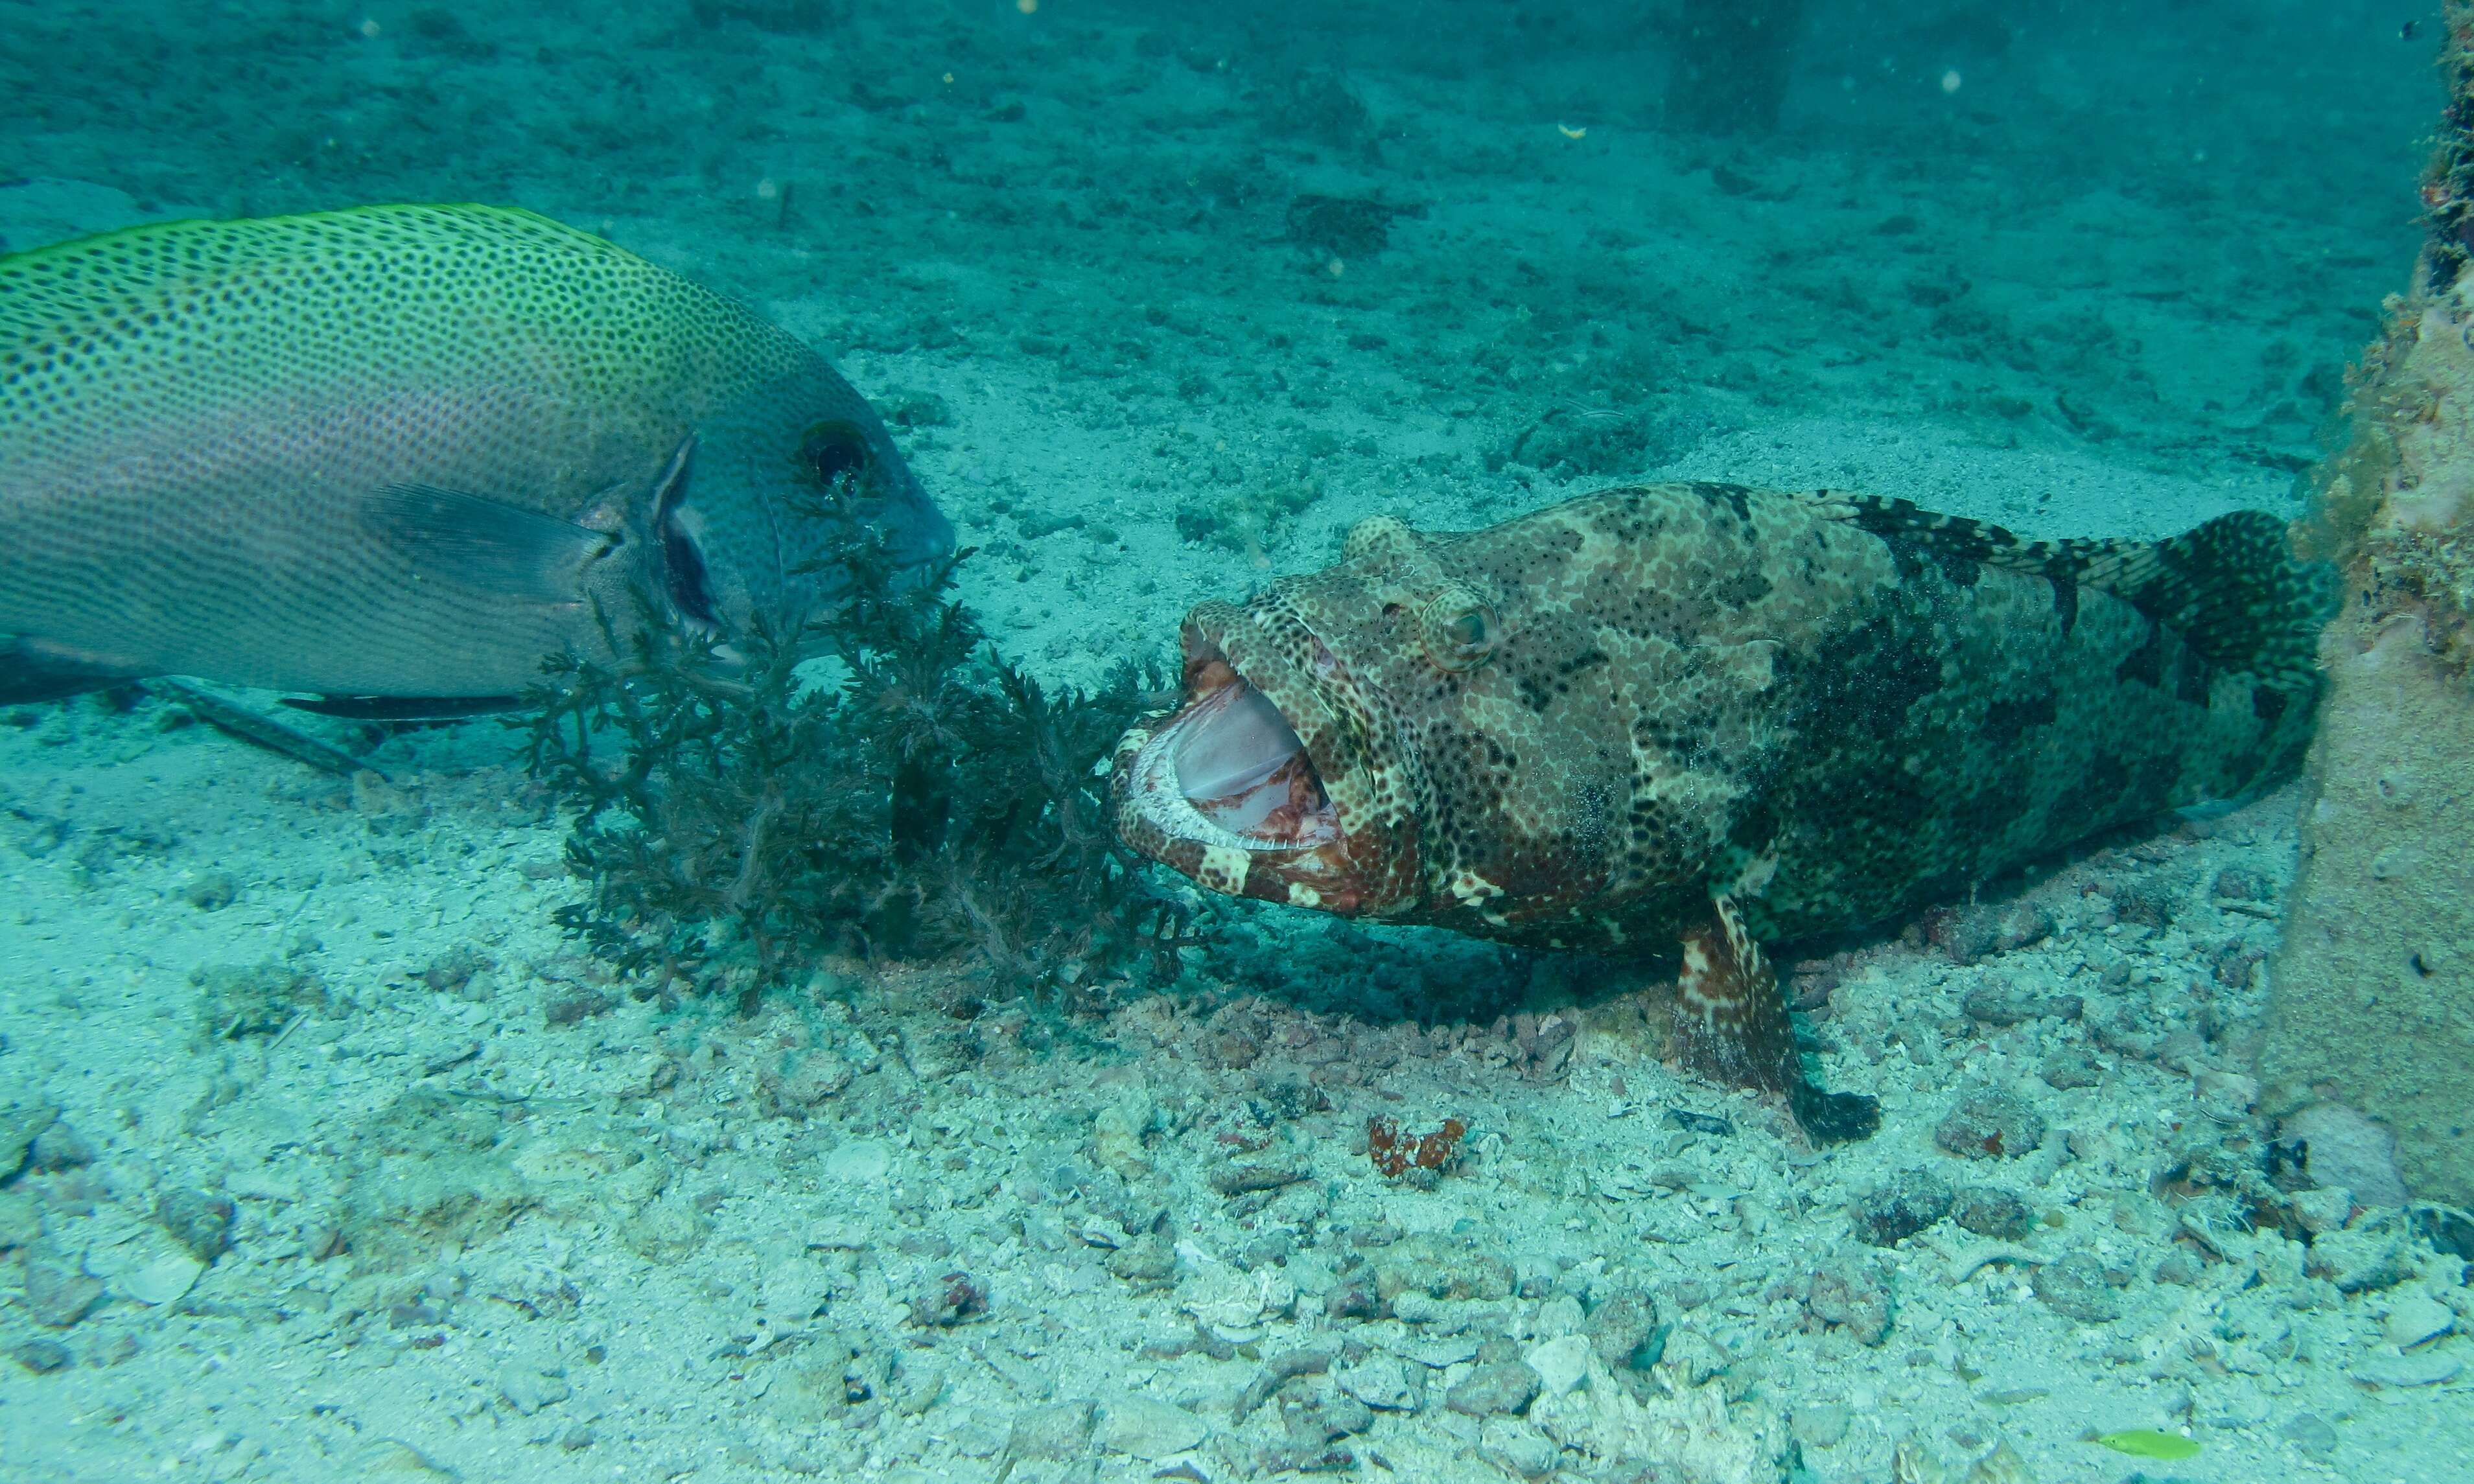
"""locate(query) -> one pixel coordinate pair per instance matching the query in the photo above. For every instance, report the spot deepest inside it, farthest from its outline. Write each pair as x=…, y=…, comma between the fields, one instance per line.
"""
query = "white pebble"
x=858, y=1163
x=2423, y=1368
x=1441, y=1353
x=1149, y=1430
x=1379, y=1382
x=1519, y=1448
x=1561, y=1363
x=1559, y=1316
x=528, y=1390
x=2416, y=1318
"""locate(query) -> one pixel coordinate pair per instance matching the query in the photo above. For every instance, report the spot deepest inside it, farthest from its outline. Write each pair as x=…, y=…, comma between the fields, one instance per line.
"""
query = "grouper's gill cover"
x=398, y=451
x=1700, y=717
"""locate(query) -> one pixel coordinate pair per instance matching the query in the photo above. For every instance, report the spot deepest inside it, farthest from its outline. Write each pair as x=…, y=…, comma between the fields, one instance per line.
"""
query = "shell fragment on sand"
x=160, y=1281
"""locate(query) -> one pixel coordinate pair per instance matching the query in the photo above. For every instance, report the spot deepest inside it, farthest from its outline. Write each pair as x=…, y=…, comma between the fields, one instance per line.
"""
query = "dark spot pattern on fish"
x=2144, y=664
x=1735, y=497
x=2065, y=601
x=2008, y=722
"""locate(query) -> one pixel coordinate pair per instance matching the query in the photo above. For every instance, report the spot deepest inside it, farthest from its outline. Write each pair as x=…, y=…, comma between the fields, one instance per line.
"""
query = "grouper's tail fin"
x=2232, y=588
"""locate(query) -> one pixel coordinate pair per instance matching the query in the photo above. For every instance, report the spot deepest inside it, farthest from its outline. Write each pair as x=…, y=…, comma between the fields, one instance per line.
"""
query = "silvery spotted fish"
x=397, y=456
x=1701, y=717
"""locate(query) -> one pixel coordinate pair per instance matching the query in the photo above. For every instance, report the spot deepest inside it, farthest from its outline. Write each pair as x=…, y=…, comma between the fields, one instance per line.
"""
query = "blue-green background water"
x=2085, y=269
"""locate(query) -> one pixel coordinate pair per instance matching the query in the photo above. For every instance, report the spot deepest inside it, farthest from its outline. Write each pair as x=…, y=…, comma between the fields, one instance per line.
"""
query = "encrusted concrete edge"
x=2374, y=987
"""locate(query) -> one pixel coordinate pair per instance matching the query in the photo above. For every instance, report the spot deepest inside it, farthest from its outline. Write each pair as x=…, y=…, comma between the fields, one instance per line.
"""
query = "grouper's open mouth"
x=1229, y=771
x=1258, y=784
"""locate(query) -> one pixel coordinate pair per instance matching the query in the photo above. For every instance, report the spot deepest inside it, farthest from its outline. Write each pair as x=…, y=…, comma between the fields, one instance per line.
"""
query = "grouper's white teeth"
x=1230, y=771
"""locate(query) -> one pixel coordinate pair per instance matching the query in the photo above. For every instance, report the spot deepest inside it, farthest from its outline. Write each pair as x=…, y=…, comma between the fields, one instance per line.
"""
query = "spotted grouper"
x=396, y=455
x=1701, y=717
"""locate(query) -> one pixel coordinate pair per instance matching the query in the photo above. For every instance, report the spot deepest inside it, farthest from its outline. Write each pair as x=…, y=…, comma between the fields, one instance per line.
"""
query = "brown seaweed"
x=741, y=816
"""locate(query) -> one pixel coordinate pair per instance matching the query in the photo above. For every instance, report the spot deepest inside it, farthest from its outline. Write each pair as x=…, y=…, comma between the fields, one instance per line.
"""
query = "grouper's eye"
x=1459, y=630
x=837, y=456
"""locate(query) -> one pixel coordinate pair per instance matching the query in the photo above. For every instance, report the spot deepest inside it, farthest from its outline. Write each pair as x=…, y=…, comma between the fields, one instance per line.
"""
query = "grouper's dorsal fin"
x=2230, y=588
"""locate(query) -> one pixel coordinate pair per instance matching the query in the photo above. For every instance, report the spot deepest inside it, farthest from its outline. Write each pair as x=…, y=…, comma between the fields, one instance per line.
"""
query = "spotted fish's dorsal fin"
x=1732, y=1025
x=2230, y=588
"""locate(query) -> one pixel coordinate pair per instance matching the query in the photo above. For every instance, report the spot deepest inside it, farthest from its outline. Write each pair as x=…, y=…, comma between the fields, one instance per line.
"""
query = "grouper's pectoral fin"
x=1731, y=1025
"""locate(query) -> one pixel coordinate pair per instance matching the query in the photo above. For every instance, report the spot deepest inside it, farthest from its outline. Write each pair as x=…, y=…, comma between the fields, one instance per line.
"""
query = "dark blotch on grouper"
x=1711, y=715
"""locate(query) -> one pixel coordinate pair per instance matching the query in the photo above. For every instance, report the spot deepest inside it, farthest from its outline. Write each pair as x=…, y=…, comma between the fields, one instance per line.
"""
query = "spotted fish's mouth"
x=1228, y=771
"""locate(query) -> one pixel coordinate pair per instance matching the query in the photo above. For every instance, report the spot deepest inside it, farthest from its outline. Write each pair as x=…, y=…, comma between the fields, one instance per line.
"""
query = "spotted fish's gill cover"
x=1711, y=715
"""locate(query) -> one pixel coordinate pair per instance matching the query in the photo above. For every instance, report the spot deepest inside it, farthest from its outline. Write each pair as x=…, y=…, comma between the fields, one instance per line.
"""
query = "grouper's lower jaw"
x=1225, y=790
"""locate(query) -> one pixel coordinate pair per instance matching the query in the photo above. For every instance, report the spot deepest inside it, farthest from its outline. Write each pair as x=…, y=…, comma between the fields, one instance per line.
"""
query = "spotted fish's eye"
x=1459, y=630
x=837, y=454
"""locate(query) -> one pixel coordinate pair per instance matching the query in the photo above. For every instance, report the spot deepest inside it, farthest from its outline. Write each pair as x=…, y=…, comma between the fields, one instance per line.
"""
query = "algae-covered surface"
x=325, y=1153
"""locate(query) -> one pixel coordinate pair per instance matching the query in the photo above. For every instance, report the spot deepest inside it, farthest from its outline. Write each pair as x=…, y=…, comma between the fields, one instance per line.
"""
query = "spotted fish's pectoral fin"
x=486, y=543
x=2231, y=588
x=405, y=708
x=33, y=670
x=1731, y=1021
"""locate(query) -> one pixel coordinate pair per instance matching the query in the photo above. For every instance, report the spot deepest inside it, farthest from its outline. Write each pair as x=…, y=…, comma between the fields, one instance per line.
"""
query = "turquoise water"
x=326, y=1151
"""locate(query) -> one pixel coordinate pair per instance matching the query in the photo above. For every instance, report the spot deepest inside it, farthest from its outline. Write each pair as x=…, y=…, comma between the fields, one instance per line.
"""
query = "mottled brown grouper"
x=1710, y=716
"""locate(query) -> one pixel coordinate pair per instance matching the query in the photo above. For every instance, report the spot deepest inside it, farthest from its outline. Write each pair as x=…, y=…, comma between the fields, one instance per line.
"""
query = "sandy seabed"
x=339, y=1162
